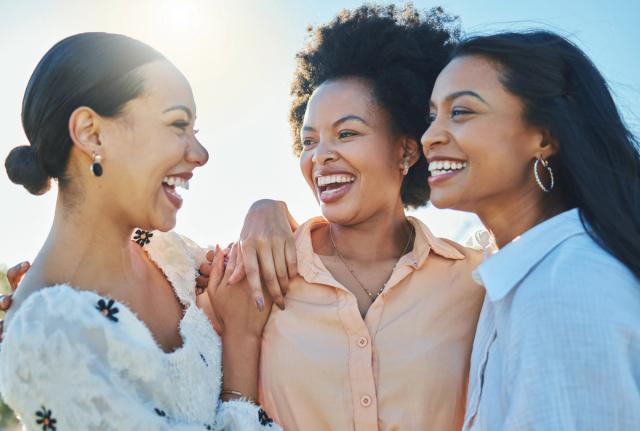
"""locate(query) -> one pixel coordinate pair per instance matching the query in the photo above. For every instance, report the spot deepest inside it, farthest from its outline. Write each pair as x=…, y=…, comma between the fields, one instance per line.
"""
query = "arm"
x=58, y=370
x=240, y=324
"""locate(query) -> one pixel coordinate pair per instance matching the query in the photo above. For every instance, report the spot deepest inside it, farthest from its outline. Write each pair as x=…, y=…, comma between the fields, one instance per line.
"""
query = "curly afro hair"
x=400, y=51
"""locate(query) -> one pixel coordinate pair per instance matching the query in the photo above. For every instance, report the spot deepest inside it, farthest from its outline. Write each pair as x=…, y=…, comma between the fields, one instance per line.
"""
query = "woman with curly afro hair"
x=378, y=325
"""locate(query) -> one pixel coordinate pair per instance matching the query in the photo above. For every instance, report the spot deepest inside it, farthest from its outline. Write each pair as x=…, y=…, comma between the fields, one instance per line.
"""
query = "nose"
x=434, y=135
x=324, y=152
x=197, y=153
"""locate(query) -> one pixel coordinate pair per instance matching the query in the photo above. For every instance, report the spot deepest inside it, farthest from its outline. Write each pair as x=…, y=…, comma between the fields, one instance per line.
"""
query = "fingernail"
x=260, y=304
x=281, y=306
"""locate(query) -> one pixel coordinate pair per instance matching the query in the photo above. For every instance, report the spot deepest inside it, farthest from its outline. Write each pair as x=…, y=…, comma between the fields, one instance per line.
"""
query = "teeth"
x=443, y=166
x=176, y=181
x=334, y=179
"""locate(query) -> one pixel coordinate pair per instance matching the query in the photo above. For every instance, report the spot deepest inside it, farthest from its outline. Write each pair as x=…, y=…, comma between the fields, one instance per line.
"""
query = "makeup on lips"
x=332, y=187
x=171, y=182
x=443, y=169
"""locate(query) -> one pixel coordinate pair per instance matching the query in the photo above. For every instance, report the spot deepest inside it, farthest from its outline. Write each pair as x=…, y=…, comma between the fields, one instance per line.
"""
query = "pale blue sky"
x=239, y=57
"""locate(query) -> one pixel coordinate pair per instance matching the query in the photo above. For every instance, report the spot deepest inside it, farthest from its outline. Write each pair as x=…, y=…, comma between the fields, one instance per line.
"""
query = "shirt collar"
x=311, y=268
x=502, y=271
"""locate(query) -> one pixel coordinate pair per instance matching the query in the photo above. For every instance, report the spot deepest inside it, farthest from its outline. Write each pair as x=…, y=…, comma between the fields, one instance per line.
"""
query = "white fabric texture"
x=557, y=346
x=76, y=358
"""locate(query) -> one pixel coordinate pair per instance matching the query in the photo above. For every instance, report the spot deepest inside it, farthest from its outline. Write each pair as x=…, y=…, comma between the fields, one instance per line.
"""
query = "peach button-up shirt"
x=404, y=367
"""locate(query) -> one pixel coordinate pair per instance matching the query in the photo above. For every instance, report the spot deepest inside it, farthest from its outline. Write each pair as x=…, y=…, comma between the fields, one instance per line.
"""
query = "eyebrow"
x=465, y=93
x=339, y=121
x=180, y=108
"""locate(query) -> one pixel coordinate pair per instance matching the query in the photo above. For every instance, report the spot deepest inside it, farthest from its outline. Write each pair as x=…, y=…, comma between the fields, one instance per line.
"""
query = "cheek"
x=306, y=168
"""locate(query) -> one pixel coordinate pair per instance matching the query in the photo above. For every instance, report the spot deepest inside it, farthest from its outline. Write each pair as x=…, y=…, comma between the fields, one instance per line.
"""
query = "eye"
x=182, y=125
x=306, y=142
x=457, y=112
x=431, y=117
x=346, y=134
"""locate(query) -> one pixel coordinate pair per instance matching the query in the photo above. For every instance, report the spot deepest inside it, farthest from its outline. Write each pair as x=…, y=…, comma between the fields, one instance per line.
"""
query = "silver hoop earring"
x=545, y=164
x=96, y=167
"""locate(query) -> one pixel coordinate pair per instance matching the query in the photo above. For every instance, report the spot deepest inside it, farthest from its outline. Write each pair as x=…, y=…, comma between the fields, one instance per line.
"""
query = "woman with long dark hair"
x=550, y=168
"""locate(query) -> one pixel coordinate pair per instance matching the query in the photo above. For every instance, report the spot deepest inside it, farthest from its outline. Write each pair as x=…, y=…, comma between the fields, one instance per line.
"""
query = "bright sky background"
x=239, y=58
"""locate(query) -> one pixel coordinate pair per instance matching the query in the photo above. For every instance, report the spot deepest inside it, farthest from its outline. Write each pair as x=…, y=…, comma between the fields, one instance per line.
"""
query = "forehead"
x=467, y=73
x=337, y=98
x=166, y=85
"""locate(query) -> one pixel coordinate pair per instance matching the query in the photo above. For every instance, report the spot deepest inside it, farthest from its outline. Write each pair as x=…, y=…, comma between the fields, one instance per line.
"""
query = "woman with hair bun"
x=105, y=332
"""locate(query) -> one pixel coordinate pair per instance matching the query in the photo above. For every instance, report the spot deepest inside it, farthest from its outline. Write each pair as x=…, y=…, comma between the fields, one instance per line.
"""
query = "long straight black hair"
x=598, y=162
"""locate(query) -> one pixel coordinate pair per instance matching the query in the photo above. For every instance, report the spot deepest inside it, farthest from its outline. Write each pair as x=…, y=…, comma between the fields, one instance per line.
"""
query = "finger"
x=292, y=258
x=269, y=276
x=209, y=255
x=202, y=282
x=239, y=272
x=5, y=302
x=217, y=271
x=280, y=264
x=250, y=261
x=231, y=261
x=205, y=269
x=15, y=274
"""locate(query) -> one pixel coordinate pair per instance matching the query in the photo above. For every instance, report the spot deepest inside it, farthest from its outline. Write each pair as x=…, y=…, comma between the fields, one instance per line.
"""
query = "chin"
x=339, y=214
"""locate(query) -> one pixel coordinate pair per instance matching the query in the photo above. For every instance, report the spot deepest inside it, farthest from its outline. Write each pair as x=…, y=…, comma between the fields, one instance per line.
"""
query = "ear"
x=409, y=150
x=547, y=145
x=84, y=128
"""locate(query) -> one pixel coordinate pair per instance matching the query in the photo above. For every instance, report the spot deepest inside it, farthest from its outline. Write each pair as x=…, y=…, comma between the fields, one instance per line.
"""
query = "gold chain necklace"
x=371, y=296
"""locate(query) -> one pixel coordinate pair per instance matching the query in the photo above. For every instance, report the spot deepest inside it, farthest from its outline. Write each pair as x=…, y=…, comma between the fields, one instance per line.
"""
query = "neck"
x=378, y=238
x=87, y=248
x=511, y=218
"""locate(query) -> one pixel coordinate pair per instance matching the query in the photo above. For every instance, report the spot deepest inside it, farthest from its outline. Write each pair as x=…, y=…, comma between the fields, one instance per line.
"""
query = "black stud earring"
x=96, y=167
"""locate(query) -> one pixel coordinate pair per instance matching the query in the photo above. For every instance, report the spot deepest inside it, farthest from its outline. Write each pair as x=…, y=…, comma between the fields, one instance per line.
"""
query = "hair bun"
x=24, y=168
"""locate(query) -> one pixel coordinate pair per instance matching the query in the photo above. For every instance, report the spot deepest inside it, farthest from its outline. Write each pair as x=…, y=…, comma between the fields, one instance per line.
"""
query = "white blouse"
x=73, y=360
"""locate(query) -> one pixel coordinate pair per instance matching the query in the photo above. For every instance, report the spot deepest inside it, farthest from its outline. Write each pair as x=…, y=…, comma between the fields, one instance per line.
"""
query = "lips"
x=169, y=185
x=443, y=169
x=332, y=187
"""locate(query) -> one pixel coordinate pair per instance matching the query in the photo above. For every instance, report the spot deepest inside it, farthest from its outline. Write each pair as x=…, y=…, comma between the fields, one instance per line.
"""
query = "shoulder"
x=579, y=285
x=179, y=258
x=580, y=268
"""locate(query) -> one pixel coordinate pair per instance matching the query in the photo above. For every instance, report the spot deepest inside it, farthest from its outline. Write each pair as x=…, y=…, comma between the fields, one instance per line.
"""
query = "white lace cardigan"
x=72, y=360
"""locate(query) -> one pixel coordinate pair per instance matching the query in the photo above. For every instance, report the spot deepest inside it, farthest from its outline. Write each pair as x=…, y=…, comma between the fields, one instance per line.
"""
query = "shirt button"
x=365, y=401
x=362, y=342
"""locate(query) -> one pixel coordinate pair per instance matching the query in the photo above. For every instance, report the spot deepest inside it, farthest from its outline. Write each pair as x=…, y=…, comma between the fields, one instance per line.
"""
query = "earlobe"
x=410, y=150
x=84, y=125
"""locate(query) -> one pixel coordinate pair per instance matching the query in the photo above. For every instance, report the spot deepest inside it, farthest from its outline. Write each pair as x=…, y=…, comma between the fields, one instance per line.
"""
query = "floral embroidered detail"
x=160, y=413
x=264, y=418
x=204, y=360
x=44, y=418
x=107, y=309
x=142, y=237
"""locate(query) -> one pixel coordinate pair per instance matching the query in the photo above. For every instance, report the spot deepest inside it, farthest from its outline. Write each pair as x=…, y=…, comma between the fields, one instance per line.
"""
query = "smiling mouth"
x=170, y=184
x=333, y=187
x=443, y=167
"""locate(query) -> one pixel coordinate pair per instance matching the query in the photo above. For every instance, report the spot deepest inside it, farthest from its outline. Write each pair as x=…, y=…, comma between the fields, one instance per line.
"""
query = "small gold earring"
x=405, y=167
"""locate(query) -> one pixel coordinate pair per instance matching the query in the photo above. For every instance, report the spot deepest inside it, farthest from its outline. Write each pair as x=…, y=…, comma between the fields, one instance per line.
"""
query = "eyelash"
x=180, y=124
x=349, y=134
x=455, y=112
